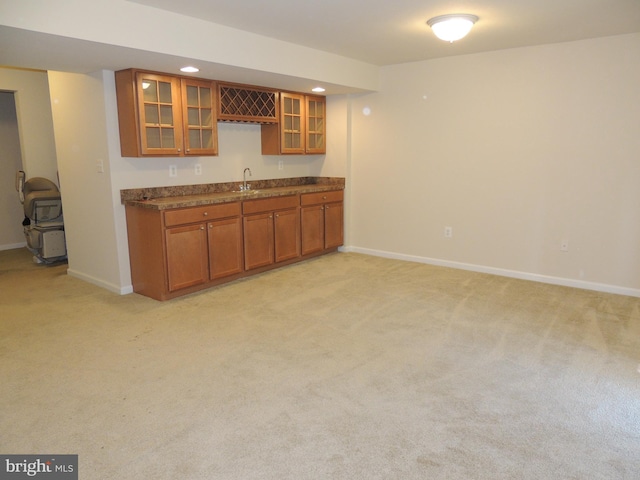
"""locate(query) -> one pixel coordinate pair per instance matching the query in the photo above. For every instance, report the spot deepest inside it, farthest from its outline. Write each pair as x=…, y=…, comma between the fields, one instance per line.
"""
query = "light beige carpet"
x=343, y=367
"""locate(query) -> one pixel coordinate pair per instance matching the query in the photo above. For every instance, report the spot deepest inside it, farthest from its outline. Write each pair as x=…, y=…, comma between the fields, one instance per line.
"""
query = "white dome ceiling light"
x=452, y=27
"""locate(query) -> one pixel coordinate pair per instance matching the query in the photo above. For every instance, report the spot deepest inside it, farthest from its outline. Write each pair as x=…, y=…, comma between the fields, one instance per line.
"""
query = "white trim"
x=95, y=281
x=534, y=277
x=13, y=246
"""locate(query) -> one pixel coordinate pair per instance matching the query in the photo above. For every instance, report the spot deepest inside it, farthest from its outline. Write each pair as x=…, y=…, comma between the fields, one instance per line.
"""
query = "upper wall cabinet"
x=301, y=127
x=164, y=115
x=242, y=103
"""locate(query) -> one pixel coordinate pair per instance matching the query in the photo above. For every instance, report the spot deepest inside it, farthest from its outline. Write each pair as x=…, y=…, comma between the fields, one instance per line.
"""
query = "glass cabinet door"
x=199, y=117
x=160, y=120
x=292, y=118
x=316, y=124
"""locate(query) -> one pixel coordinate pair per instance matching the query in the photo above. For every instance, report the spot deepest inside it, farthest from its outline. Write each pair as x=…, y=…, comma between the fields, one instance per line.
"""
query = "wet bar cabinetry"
x=181, y=250
x=322, y=221
x=243, y=103
x=301, y=127
x=165, y=115
x=271, y=231
x=182, y=247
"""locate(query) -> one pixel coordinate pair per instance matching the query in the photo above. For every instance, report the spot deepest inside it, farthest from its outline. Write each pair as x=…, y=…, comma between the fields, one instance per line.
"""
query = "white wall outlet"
x=100, y=165
x=280, y=164
x=448, y=232
x=198, y=169
x=564, y=246
x=173, y=170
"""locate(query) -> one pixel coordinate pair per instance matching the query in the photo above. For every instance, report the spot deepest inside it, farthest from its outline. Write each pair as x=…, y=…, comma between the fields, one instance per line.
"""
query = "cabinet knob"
x=321, y=208
x=206, y=213
x=201, y=227
x=210, y=226
x=324, y=197
x=326, y=207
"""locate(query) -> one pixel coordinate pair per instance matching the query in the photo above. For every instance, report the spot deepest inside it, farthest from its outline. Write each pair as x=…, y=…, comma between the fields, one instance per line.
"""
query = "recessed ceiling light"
x=317, y=89
x=189, y=69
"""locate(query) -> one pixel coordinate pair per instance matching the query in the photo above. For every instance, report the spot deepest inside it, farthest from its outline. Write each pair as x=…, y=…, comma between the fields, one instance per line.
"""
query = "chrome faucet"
x=244, y=177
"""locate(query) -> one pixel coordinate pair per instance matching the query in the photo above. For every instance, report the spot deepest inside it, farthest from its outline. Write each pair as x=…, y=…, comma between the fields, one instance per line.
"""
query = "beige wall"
x=11, y=211
x=516, y=150
x=33, y=109
x=34, y=151
x=78, y=105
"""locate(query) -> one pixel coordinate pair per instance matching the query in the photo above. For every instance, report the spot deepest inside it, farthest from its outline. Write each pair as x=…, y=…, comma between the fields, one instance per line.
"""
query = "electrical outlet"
x=100, y=165
x=280, y=164
x=198, y=169
x=173, y=170
x=448, y=232
x=564, y=246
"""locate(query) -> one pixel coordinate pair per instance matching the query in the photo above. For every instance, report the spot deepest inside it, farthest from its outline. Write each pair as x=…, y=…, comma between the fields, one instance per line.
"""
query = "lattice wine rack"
x=239, y=103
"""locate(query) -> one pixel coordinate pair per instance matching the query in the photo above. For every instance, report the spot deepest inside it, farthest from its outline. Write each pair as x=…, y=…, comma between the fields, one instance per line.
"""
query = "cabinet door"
x=316, y=113
x=312, y=219
x=187, y=263
x=225, y=247
x=258, y=240
x=199, y=117
x=159, y=114
x=333, y=225
x=287, y=234
x=292, y=123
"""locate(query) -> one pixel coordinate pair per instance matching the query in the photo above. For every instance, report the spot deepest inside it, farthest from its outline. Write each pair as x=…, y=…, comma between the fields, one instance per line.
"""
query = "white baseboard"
x=101, y=283
x=13, y=246
x=565, y=282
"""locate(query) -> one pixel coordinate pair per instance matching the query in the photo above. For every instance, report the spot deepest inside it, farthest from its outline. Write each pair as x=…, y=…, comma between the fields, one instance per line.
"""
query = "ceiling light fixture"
x=189, y=69
x=317, y=89
x=452, y=27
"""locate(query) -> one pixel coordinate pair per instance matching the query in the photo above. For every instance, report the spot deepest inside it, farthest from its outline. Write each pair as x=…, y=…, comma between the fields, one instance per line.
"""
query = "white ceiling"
x=386, y=32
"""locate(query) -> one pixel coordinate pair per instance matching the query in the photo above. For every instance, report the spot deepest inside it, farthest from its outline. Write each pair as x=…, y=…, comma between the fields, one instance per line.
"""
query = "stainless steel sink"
x=246, y=192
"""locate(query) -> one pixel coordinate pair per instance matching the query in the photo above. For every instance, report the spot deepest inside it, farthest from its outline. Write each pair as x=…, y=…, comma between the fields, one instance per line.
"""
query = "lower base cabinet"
x=202, y=252
x=322, y=220
x=179, y=251
x=173, y=252
x=271, y=231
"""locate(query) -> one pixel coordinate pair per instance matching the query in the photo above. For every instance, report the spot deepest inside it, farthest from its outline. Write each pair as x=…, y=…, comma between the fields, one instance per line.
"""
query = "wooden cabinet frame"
x=322, y=219
x=178, y=251
x=163, y=117
x=292, y=123
x=271, y=231
x=292, y=134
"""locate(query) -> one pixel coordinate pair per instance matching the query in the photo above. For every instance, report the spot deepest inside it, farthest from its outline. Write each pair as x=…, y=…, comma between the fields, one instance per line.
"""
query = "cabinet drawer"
x=269, y=204
x=321, y=197
x=183, y=216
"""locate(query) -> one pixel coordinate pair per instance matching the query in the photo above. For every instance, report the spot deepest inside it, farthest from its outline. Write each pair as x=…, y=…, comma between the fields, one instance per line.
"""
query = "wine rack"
x=239, y=103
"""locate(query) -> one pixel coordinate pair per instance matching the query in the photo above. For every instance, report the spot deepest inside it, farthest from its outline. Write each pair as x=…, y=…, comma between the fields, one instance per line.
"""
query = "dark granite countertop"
x=163, y=198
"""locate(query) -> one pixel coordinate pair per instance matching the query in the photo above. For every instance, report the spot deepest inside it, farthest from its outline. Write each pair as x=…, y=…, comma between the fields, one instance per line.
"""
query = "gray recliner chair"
x=43, y=222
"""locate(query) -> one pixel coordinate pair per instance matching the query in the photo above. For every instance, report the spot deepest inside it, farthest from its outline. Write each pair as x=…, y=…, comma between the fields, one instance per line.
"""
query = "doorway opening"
x=11, y=210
